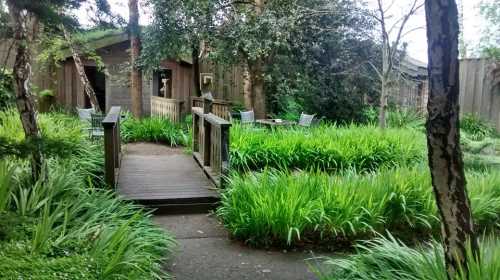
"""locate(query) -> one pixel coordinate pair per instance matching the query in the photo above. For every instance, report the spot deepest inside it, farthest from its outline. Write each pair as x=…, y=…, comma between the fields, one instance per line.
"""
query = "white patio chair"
x=85, y=115
x=306, y=120
x=247, y=117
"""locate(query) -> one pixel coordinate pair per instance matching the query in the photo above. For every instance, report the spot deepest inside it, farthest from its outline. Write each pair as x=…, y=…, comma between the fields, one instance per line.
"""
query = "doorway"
x=97, y=80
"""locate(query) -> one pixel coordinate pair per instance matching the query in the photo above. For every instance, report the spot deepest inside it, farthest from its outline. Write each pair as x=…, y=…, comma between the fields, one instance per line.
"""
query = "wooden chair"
x=247, y=117
x=96, y=129
x=306, y=120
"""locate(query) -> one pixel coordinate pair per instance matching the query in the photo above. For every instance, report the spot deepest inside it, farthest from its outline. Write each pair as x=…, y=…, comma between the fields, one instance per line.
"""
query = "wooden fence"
x=211, y=142
x=166, y=108
x=220, y=108
x=480, y=89
x=112, y=145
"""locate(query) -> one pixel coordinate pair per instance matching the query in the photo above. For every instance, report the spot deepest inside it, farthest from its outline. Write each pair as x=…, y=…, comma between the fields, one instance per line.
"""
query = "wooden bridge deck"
x=153, y=174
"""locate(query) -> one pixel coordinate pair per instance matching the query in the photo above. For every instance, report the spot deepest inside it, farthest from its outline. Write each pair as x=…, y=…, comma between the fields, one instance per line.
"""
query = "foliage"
x=489, y=44
x=475, y=127
x=405, y=118
x=65, y=226
x=65, y=220
x=325, y=147
x=292, y=209
x=154, y=130
x=390, y=259
x=7, y=95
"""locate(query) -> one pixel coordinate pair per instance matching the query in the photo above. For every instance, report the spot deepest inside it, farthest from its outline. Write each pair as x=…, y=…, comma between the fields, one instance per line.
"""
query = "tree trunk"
x=443, y=134
x=81, y=72
x=384, y=83
x=22, y=75
x=196, y=68
x=257, y=75
x=259, y=101
x=135, y=51
x=247, y=88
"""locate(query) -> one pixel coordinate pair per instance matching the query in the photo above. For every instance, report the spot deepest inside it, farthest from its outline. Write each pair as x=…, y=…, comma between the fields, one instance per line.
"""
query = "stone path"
x=206, y=253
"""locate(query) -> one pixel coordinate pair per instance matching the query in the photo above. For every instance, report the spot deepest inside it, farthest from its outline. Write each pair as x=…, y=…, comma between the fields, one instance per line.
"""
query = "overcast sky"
x=417, y=41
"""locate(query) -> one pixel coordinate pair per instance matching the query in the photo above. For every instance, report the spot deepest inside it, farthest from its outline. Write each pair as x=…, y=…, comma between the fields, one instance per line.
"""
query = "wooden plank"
x=172, y=178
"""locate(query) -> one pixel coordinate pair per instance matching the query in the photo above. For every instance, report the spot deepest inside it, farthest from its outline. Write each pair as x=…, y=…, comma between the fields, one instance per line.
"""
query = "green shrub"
x=154, y=130
x=390, y=259
x=405, y=118
x=289, y=209
x=7, y=95
x=475, y=127
x=326, y=147
x=66, y=220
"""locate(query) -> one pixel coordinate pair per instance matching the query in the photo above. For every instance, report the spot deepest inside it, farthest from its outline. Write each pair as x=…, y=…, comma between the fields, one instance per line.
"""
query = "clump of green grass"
x=65, y=220
x=326, y=147
x=475, y=127
x=289, y=209
x=154, y=130
x=390, y=259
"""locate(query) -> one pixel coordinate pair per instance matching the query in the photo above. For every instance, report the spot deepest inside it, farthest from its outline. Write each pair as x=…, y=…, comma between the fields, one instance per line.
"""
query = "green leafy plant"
x=475, y=127
x=405, y=118
x=154, y=130
x=289, y=209
x=390, y=259
x=325, y=147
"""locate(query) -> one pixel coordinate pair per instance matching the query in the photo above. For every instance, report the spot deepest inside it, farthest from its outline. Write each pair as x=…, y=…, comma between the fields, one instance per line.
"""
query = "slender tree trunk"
x=81, y=72
x=257, y=75
x=384, y=84
x=196, y=68
x=259, y=101
x=135, y=51
x=443, y=134
x=22, y=75
x=247, y=88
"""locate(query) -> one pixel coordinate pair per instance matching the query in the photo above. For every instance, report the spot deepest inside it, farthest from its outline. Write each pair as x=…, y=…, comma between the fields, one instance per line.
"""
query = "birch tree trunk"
x=81, y=72
x=22, y=75
x=135, y=51
x=443, y=134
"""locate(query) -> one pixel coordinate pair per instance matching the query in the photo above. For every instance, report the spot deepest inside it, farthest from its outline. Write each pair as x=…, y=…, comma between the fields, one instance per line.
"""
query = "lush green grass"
x=390, y=259
x=69, y=226
x=289, y=209
x=155, y=130
x=327, y=147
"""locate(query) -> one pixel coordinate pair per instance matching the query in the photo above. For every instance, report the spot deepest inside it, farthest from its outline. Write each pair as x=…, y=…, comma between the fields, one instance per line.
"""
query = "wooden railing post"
x=112, y=145
x=224, y=153
x=207, y=105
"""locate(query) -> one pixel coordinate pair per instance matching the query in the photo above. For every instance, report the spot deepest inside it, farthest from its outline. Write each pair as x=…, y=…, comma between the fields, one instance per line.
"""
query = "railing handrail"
x=215, y=101
x=168, y=100
x=112, y=145
x=211, y=142
x=112, y=117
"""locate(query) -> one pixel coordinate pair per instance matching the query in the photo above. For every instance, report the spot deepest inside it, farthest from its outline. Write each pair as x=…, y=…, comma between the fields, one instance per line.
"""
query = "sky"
x=417, y=40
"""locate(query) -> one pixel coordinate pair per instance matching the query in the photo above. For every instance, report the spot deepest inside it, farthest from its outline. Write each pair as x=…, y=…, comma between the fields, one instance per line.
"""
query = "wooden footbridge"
x=164, y=177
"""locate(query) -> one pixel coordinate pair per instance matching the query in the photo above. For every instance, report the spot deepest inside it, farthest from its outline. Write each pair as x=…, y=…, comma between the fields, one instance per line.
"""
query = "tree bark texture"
x=259, y=95
x=256, y=69
x=196, y=68
x=443, y=133
x=81, y=72
x=22, y=75
x=135, y=51
x=247, y=88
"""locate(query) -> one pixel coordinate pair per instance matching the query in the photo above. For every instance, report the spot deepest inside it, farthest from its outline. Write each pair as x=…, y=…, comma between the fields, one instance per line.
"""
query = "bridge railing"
x=211, y=142
x=166, y=108
x=220, y=107
x=112, y=145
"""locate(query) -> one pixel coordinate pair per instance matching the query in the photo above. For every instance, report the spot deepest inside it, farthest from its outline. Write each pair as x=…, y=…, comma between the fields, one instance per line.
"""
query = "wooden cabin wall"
x=228, y=84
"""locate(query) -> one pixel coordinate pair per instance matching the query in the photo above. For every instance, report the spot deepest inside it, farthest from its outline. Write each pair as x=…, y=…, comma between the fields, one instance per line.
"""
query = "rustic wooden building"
x=171, y=84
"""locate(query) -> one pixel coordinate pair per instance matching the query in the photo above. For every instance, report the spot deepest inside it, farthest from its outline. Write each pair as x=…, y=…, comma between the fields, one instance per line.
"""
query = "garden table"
x=274, y=123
